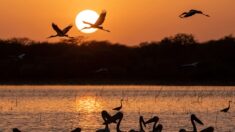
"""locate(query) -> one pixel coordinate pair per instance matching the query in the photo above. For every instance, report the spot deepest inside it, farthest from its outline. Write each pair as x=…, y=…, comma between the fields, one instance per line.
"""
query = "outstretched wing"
x=101, y=18
x=65, y=30
x=182, y=15
x=195, y=11
x=56, y=28
x=87, y=23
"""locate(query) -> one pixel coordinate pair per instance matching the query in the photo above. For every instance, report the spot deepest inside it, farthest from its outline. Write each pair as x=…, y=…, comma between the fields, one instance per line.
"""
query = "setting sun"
x=88, y=16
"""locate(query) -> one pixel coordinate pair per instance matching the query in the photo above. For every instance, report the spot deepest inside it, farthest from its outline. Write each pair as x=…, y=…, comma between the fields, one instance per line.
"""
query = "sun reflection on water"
x=87, y=104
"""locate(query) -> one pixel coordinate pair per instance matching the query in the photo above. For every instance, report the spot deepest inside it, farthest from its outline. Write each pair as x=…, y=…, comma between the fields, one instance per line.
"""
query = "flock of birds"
x=117, y=118
x=101, y=19
x=157, y=127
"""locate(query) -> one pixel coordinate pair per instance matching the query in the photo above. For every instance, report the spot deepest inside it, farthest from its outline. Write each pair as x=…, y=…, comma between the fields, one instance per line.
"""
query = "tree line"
x=170, y=59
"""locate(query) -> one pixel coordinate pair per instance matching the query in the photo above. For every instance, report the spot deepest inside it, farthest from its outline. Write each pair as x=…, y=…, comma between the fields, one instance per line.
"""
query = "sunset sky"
x=130, y=21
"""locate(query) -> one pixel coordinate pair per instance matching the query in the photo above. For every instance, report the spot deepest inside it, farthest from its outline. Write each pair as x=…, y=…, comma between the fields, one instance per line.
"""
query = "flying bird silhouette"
x=98, y=23
x=191, y=13
x=191, y=65
x=61, y=33
x=225, y=110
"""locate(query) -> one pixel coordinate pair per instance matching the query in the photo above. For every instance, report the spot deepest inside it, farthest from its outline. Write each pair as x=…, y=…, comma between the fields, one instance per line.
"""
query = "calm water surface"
x=63, y=108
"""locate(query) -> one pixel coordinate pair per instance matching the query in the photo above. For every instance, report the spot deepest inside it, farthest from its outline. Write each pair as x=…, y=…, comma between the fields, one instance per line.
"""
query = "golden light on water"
x=87, y=104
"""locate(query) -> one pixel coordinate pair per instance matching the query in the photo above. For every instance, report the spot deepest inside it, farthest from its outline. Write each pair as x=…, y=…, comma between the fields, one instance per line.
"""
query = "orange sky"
x=130, y=21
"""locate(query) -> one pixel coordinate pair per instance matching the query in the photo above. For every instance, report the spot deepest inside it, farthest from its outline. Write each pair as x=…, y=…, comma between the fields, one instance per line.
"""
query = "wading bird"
x=108, y=119
x=225, y=110
x=193, y=119
x=141, y=123
x=98, y=23
x=156, y=128
x=120, y=107
x=61, y=33
x=119, y=117
x=191, y=13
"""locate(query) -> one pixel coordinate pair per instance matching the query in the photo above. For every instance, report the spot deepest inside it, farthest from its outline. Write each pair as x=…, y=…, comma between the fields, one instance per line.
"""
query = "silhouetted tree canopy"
x=179, y=57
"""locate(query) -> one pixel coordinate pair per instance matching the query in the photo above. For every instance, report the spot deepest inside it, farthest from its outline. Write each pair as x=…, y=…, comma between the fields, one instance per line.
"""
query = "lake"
x=63, y=108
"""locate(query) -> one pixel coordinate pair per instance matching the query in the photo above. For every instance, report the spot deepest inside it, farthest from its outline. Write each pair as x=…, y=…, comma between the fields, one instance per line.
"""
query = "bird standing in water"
x=156, y=128
x=225, y=110
x=195, y=119
x=141, y=123
x=118, y=108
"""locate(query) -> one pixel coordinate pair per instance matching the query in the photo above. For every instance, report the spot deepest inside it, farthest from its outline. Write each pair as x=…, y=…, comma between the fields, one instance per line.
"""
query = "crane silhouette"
x=195, y=119
x=225, y=110
x=98, y=23
x=191, y=13
x=156, y=128
x=120, y=107
x=61, y=33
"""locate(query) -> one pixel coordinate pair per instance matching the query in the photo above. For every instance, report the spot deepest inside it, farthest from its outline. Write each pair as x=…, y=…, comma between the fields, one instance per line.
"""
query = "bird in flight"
x=61, y=33
x=191, y=13
x=98, y=23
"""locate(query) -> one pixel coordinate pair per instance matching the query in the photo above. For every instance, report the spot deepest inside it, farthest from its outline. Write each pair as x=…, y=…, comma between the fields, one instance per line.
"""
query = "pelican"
x=61, y=33
x=77, y=130
x=118, y=108
x=118, y=116
x=157, y=128
x=191, y=13
x=193, y=119
x=106, y=129
x=110, y=119
x=225, y=110
x=98, y=23
x=15, y=130
x=141, y=122
x=107, y=120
